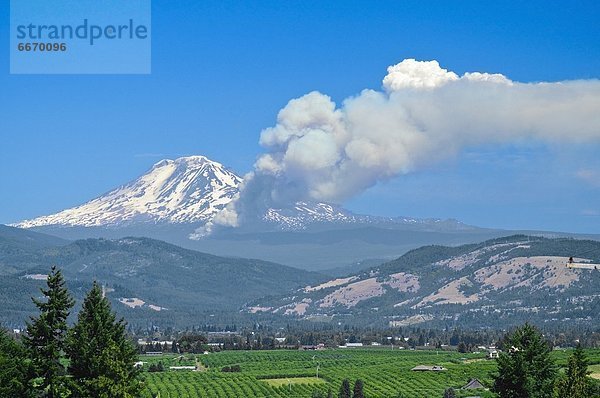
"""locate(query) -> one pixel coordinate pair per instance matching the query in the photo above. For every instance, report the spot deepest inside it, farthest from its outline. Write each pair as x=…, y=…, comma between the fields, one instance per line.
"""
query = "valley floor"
x=287, y=373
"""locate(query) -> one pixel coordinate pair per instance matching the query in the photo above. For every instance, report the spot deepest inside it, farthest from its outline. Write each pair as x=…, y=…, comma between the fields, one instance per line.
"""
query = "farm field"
x=287, y=374
x=386, y=373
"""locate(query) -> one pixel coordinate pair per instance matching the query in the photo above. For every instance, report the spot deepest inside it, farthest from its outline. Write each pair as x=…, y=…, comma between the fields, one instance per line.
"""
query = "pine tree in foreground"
x=345, y=389
x=575, y=382
x=45, y=337
x=525, y=369
x=358, y=389
x=13, y=368
x=102, y=358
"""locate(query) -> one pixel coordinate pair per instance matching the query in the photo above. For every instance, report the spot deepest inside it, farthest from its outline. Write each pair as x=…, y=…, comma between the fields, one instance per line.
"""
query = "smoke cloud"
x=319, y=151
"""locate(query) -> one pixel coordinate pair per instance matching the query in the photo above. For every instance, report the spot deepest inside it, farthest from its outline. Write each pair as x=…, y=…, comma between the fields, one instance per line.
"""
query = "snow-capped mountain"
x=182, y=191
x=186, y=190
x=192, y=190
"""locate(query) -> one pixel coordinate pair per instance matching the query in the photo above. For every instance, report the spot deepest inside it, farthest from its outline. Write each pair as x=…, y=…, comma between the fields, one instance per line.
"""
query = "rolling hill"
x=495, y=284
x=18, y=245
x=145, y=279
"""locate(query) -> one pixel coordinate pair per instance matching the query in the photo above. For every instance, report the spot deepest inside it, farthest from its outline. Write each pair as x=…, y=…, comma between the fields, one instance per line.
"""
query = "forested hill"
x=496, y=283
x=147, y=280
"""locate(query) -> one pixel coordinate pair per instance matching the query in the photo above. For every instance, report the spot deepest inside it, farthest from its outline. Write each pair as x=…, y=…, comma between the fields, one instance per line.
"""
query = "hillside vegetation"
x=146, y=279
x=495, y=284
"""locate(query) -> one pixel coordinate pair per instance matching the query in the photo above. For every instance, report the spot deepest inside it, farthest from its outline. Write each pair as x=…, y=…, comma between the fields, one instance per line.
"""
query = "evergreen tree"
x=358, y=389
x=449, y=393
x=511, y=381
x=45, y=338
x=345, y=389
x=101, y=357
x=14, y=367
x=525, y=369
x=575, y=383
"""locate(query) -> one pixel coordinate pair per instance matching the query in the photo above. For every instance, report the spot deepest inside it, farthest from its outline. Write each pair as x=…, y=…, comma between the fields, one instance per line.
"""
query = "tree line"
x=92, y=359
x=263, y=337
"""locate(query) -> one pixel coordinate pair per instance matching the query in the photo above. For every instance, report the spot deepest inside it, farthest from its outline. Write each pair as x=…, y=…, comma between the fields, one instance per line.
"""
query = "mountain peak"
x=185, y=190
x=190, y=161
x=195, y=159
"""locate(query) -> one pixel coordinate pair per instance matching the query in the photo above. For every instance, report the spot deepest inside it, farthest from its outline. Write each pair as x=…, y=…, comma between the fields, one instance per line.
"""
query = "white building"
x=349, y=345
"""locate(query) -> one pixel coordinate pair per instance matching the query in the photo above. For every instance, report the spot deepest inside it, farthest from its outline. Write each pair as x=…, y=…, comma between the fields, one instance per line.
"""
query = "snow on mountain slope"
x=185, y=190
x=193, y=190
x=303, y=214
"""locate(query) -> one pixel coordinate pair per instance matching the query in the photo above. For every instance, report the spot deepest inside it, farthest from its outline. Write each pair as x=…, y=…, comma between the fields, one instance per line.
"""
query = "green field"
x=284, y=373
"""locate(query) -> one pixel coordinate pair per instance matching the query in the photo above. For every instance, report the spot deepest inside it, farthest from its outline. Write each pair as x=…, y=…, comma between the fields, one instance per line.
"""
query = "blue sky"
x=222, y=71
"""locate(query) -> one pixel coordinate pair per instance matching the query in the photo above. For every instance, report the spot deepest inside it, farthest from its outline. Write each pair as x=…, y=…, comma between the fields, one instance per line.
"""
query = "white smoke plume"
x=318, y=151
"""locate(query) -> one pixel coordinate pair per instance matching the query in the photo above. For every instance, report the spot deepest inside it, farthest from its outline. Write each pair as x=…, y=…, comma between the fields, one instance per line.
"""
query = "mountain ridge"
x=496, y=283
x=515, y=279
